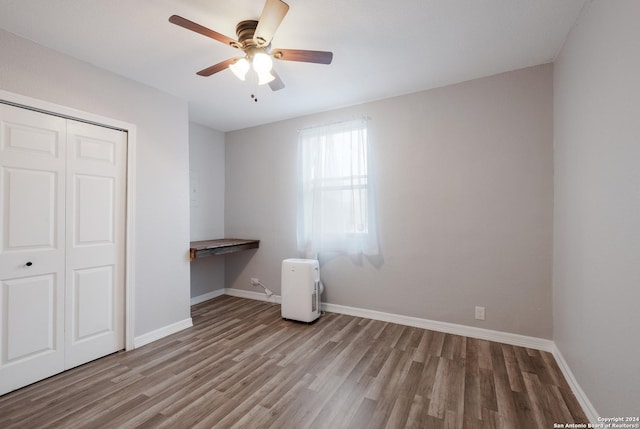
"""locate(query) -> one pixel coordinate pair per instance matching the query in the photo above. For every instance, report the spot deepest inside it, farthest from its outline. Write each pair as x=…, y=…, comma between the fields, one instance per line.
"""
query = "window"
x=336, y=201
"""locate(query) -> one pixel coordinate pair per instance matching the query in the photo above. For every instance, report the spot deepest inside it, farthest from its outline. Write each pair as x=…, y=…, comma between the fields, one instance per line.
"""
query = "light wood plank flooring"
x=242, y=366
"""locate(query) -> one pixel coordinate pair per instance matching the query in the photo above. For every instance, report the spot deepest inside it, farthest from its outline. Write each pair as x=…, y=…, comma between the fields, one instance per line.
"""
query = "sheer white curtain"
x=336, y=202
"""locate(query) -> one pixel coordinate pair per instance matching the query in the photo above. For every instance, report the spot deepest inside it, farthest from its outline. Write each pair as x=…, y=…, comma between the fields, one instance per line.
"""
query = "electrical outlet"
x=255, y=281
x=479, y=313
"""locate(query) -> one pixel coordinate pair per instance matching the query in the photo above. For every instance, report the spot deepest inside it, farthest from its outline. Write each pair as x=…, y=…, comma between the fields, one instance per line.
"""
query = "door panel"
x=102, y=150
x=96, y=168
x=32, y=250
x=93, y=301
x=23, y=135
x=32, y=346
x=29, y=307
x=94, y=210
x=30, y=194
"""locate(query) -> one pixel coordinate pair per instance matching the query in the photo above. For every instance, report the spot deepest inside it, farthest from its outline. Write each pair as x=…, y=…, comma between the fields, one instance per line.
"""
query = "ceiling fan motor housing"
x=245, y=31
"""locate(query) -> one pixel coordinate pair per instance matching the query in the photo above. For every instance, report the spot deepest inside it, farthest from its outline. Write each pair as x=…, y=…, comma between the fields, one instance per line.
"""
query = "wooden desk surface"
x=220, y=246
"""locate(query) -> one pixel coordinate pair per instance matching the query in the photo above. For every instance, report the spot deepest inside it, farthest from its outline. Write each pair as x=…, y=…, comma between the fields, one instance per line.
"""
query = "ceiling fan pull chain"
x=254, y=94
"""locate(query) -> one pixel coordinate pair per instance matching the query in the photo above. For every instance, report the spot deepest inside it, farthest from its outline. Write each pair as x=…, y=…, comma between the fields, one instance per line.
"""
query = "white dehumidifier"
x=301, y=289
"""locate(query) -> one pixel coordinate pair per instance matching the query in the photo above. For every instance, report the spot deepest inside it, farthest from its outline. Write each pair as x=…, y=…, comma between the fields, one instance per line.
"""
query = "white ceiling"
x=382, y=48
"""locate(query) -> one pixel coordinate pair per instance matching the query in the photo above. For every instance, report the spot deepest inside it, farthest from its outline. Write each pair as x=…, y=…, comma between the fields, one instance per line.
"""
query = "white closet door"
x=95, y=237
x=62, y=244
x=32, y=246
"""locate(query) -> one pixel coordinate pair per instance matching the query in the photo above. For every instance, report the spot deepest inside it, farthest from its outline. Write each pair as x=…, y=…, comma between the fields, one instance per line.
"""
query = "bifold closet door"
x=32, y=258
x=61, y=244
x=95, y=237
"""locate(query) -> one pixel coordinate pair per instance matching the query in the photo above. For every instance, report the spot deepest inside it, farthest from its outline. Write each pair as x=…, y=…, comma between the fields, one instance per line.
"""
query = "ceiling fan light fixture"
x=265, y=77
x=262, y=63
x=240, y=68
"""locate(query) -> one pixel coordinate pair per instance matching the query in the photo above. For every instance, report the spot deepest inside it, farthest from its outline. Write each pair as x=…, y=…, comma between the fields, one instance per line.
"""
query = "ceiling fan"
x=254, y=39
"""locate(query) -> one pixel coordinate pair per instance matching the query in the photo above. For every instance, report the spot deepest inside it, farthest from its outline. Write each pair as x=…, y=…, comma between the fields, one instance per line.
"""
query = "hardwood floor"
x=242, y=366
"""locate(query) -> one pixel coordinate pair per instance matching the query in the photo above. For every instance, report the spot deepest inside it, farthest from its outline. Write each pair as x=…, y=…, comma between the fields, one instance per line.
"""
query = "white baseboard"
x=449, y=328
x=260, y=296
x=152, y=336
x=586, y=405
x=207, y=296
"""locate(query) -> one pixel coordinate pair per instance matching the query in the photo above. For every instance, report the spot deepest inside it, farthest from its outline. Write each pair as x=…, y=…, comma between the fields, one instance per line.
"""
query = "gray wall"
x=465, y=193
x=206, y=169
x=162, y=205
x=596, y=278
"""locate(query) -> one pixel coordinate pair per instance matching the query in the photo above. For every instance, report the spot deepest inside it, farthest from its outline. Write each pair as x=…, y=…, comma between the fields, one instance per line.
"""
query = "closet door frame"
x=25, y=102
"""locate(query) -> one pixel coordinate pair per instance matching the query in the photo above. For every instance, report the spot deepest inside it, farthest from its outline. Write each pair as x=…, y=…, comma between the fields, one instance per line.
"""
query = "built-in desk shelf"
x=222, y=246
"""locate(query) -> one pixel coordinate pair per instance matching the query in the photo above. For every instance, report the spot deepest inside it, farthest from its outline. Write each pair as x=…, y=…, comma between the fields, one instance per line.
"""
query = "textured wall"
x=465, y=193
x=206, y=170
x=596, y=274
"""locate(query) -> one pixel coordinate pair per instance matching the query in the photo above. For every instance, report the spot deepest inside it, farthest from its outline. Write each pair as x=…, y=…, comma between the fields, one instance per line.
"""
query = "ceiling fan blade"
x=276, y=84
x=318, y=57
x=190, y=25
x=217, y=67
x=272, y=15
